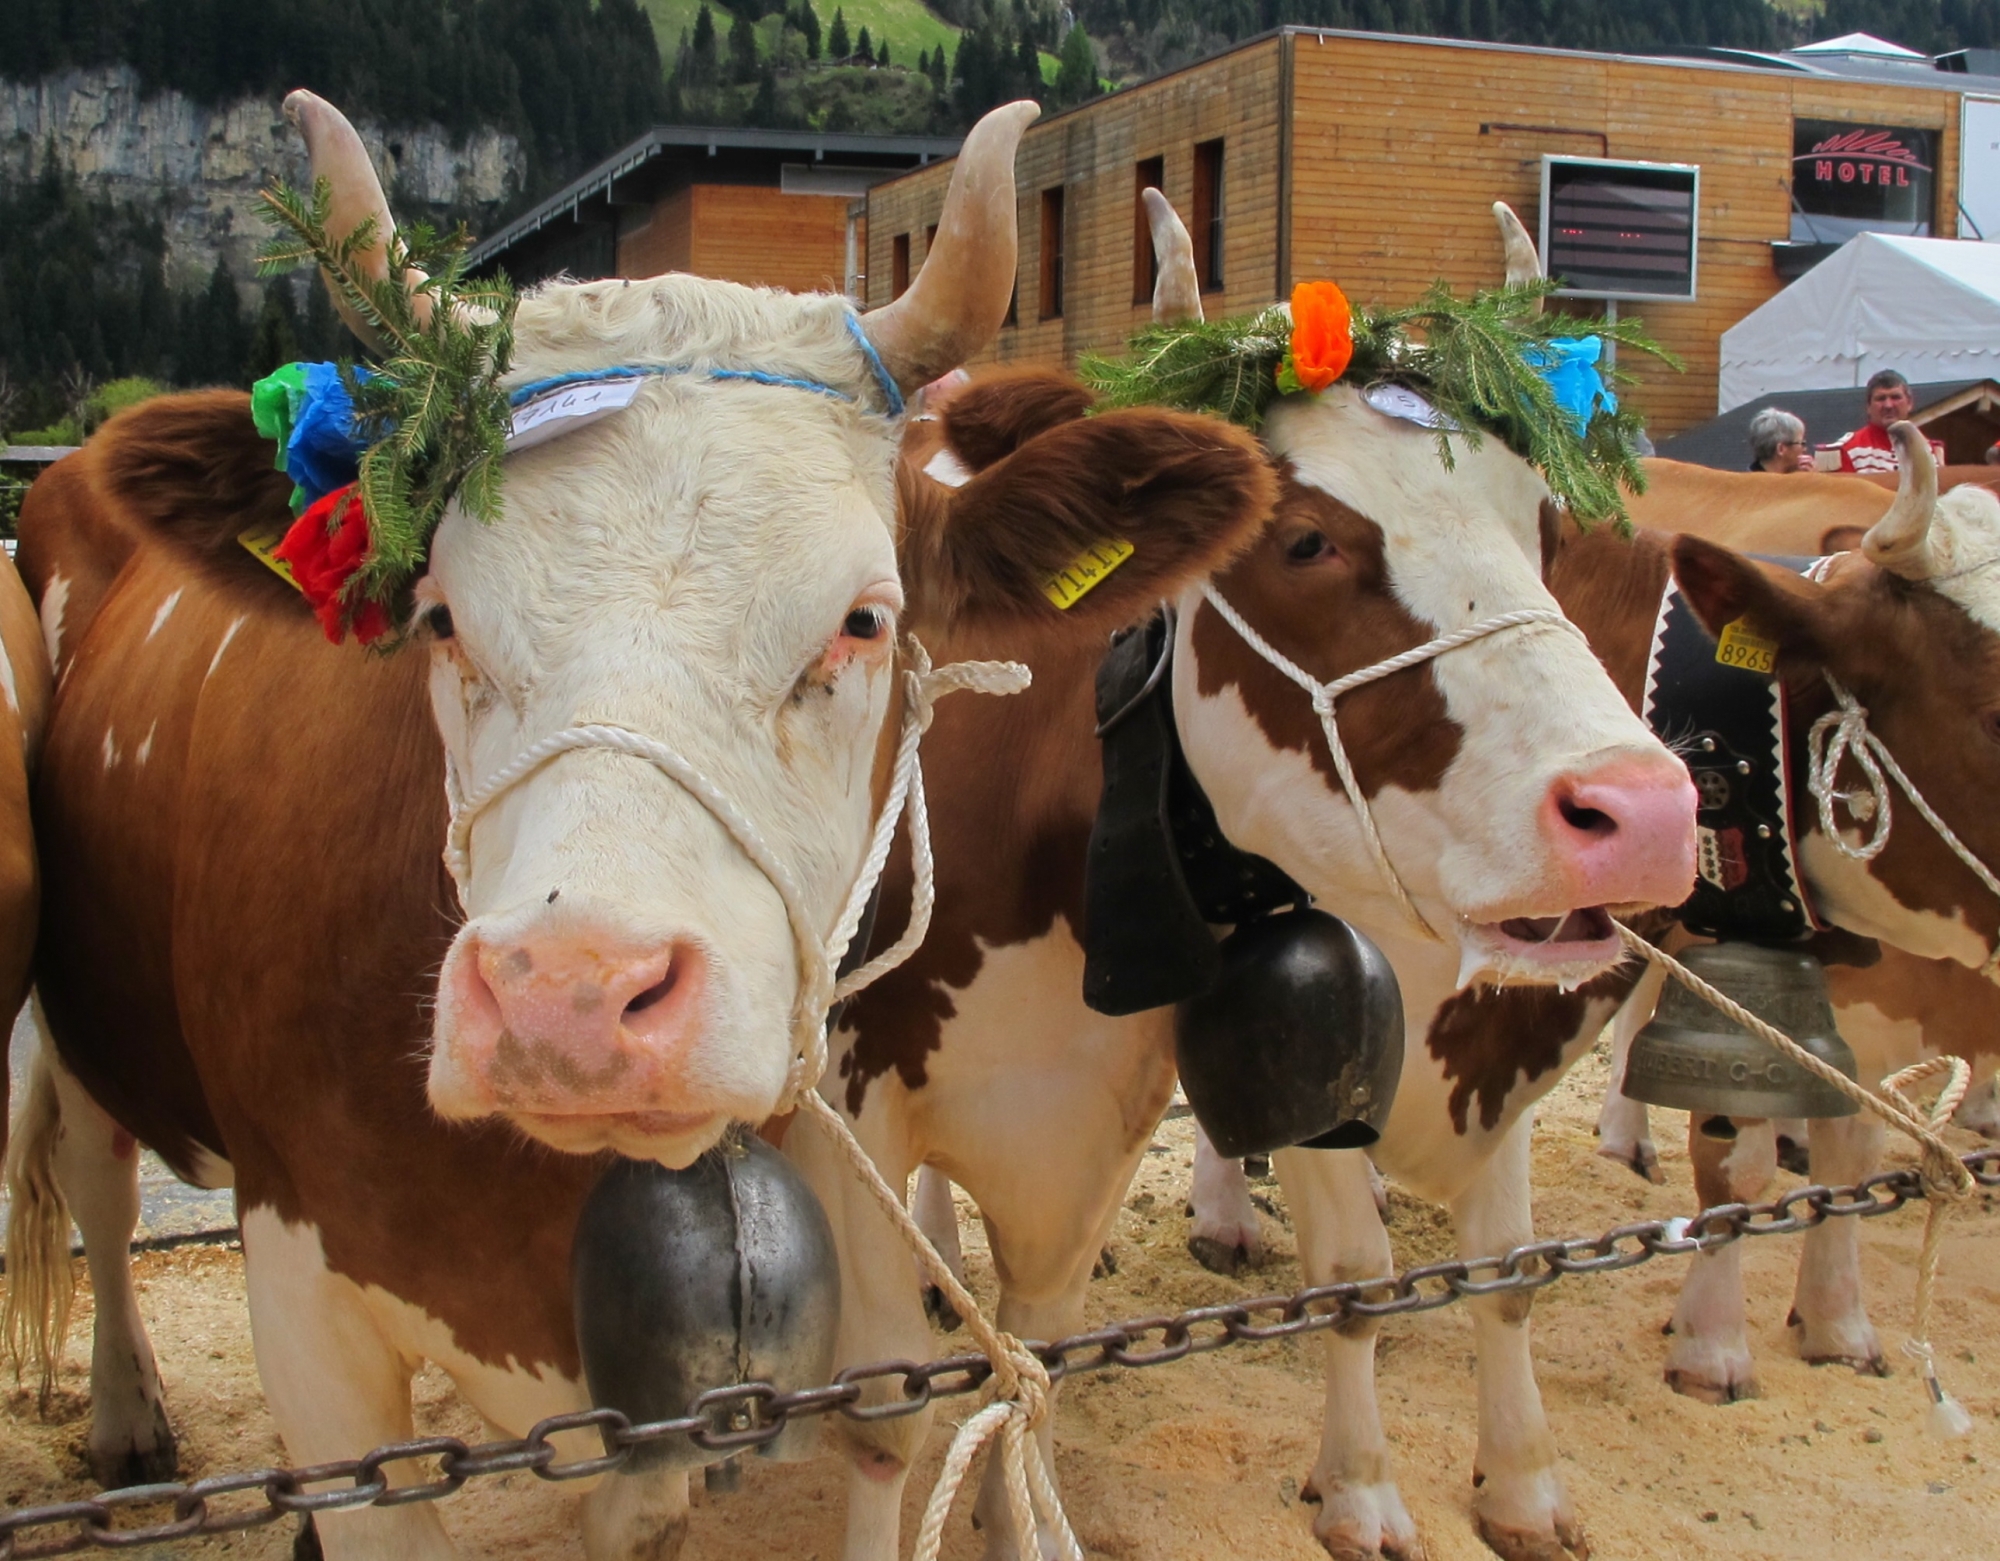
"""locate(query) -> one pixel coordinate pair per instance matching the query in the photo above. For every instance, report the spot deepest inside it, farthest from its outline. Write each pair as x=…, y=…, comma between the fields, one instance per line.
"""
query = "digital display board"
x=1620, y=230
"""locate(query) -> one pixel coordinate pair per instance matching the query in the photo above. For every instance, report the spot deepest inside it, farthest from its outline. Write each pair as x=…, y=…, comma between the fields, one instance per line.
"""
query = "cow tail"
x=41, y=1287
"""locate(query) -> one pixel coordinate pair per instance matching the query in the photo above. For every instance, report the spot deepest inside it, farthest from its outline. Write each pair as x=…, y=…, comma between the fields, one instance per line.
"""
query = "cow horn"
x=337, y=156
x=1177, y=294
x=1524, y=265
x=1900, y=541
x=959, y=299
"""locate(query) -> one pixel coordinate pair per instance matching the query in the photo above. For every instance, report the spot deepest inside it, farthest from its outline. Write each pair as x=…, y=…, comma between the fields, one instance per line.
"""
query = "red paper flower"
x=324, y=548
x=1322, y=334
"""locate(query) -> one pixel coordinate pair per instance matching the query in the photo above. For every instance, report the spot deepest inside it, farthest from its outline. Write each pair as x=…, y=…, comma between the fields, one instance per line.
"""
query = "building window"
x=1052, y=253
x=1147, y=175
x=1208, y=213
x=899, y=265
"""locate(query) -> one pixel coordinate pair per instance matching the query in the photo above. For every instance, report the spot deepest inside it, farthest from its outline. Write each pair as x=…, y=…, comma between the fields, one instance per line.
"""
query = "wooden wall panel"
x=1364, y=160
x=1377, y=120
x=743, y=233
x=1092, y=152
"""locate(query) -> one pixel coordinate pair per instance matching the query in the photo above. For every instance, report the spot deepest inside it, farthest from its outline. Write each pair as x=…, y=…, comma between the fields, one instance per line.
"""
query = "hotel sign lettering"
x=1849, y=178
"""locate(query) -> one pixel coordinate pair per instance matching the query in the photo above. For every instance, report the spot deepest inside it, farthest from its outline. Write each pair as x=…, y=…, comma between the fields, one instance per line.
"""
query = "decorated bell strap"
x=1159, y=871
x=1717, y=703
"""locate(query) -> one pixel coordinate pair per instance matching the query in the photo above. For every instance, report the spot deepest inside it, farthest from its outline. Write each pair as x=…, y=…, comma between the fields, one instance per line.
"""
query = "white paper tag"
x=568, y=408
x=1403, y=402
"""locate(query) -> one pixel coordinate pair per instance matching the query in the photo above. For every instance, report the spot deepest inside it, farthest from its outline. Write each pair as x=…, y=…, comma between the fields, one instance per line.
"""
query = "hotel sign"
x=1849, y=178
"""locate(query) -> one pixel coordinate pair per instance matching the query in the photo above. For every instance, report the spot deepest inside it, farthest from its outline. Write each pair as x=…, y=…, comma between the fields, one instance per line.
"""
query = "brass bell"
x=1694, y=1057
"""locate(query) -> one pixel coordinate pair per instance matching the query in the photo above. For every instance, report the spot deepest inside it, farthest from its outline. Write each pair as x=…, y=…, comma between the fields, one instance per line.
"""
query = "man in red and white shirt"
x=1868, y=449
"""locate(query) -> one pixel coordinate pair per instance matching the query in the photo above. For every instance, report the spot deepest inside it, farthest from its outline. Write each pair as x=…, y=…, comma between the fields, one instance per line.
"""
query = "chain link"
x=728, y=1420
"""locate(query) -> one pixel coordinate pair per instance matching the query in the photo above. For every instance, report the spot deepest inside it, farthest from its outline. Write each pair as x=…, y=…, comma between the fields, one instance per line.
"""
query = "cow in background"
x=1515, y=790
x=25, y=690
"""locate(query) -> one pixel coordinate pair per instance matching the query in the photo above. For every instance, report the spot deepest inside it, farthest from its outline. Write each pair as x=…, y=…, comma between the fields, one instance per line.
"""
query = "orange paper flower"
x=1322, y=334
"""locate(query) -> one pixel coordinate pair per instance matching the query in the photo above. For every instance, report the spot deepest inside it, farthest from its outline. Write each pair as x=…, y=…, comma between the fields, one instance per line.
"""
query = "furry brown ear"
x=1187, y=493
x=1841, y=539
x=1723, y=586
x=995, y=415
x=193, y=469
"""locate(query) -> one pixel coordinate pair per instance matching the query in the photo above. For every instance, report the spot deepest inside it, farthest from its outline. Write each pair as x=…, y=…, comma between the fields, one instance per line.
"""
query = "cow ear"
x=991, y=418
x=1723, y=587
x=1132, y=505
x=1841, y=539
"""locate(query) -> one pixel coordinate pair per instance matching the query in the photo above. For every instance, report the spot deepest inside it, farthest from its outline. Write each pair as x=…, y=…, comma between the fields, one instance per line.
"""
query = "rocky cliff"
x=200, y=168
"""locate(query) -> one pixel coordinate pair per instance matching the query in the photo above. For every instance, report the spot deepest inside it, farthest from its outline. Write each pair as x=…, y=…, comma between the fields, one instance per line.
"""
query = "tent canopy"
x=1926, y=307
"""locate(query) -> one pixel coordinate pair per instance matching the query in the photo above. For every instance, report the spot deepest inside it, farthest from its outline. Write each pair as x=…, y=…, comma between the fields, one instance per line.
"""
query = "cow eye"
x=1307, y=546
x=864, y=623
x=438, y=621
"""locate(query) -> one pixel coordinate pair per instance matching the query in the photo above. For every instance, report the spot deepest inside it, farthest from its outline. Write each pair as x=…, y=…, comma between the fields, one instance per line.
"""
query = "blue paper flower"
x=1569, y=364
x=306, y=409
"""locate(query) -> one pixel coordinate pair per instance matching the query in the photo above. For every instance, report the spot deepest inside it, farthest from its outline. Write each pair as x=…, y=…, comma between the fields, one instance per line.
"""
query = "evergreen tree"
x=742, y=50
x=937, y=69
x=1076, y=78
x=1027, y=68
x=700, y=67
x=274, y=339
x=837, y=46
x=808, y=24
x=863, y=49
x=882, y=54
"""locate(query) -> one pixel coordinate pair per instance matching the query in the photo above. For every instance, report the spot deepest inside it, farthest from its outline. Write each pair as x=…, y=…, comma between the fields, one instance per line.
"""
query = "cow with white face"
x=1519, y=802
x=647, y=723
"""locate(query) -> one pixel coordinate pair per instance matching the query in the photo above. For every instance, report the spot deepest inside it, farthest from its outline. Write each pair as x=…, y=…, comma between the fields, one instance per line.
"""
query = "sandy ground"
x=1203, y=1459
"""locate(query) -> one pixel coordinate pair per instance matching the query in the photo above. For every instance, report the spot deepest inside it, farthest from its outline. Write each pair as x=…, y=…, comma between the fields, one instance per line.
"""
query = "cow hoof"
x=1846, y=1341
x=1219, y=1257
x=1638, y=1157
x=305, y=1543
x=1728, y=1388
x=1565, y=1541
x=940, y=1311
x=125, y=1463
x=1793, y=1156
x=1106, y=1264
x=1363, y=1523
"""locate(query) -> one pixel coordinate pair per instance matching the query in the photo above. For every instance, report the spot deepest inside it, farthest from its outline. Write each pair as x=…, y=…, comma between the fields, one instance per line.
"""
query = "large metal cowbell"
x=1694, y=1057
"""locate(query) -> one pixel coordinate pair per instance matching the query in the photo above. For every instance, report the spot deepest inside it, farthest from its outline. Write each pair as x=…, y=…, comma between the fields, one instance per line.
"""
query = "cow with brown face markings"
x=1518, y=798
x=257, y=960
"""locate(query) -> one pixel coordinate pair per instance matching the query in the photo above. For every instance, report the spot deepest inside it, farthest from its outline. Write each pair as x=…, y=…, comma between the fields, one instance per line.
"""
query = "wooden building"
x=770, y=208
x=1374, y=160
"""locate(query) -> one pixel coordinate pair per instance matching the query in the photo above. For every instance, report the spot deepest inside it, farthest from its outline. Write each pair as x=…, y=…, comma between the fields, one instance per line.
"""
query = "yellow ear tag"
x=1071, y=583
x=1742, y=646
x=261, y=542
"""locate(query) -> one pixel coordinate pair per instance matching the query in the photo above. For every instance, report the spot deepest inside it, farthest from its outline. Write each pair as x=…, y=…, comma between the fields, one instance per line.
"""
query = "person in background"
x=1778, y=442
x=1868, y=449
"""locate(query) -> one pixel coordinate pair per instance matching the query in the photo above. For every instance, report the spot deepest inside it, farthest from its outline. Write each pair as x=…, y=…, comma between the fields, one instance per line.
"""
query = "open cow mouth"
x=1590, y=925
x=1565, y=949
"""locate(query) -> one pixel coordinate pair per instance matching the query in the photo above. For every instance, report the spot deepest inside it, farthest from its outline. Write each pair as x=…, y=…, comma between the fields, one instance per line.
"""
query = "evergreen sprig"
x=432, y=411
x=1471, y=358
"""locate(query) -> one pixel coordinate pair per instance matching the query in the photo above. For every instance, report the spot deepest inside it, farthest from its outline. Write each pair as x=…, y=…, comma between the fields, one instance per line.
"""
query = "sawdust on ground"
x=1204, y=1459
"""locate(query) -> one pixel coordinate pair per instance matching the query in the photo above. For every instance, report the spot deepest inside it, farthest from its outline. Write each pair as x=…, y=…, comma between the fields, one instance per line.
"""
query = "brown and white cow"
x=246, y=824
x=1517, y=794
x=1894, y=1012
x=24, y=711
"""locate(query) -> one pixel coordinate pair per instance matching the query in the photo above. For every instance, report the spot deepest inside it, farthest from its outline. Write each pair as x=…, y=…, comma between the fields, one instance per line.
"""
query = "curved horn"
x=1524, y=265
x=337, y=156
x=1900, y=541
x=1177, y=293
x=959, y=299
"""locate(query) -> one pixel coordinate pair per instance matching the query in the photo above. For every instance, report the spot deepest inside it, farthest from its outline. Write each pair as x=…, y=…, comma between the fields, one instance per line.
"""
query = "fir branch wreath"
x=431, y=414
x=1482, y=362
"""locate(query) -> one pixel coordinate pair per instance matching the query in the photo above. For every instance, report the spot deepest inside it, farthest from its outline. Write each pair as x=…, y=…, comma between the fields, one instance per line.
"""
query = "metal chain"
x=729, y=1420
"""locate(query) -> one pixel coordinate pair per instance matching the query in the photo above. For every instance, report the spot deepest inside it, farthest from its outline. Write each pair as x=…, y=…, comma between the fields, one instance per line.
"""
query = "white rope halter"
x=818, y=957
x=1843, y=733
x=1323, y=696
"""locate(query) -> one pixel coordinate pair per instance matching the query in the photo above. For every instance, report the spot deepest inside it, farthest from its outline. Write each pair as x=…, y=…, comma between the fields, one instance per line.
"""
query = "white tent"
x=1927, y=307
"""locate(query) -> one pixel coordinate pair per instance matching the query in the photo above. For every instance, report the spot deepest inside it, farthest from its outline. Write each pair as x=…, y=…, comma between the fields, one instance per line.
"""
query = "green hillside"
x=909, y=26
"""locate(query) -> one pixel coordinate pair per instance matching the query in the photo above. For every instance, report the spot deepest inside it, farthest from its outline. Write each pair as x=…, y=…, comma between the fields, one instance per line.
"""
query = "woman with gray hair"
x=1777, y=442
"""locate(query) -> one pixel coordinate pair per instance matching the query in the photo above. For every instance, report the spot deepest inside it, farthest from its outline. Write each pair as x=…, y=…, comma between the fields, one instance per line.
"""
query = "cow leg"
x=1624, y=1127
x=637, y=1517
x=97, y=1167
x=881, y=1318
x=1223, y=1235
x=336, y=1384
x=1828, y=1307
x=1710, y=1356
x=1979, y=1112
x=1341, y=1237
x=936, y=1215
x=1522, y=1509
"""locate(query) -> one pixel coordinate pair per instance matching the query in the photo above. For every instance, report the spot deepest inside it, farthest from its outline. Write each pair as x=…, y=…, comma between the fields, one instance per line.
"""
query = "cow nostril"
x=655, y=993
x=1584, y=820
